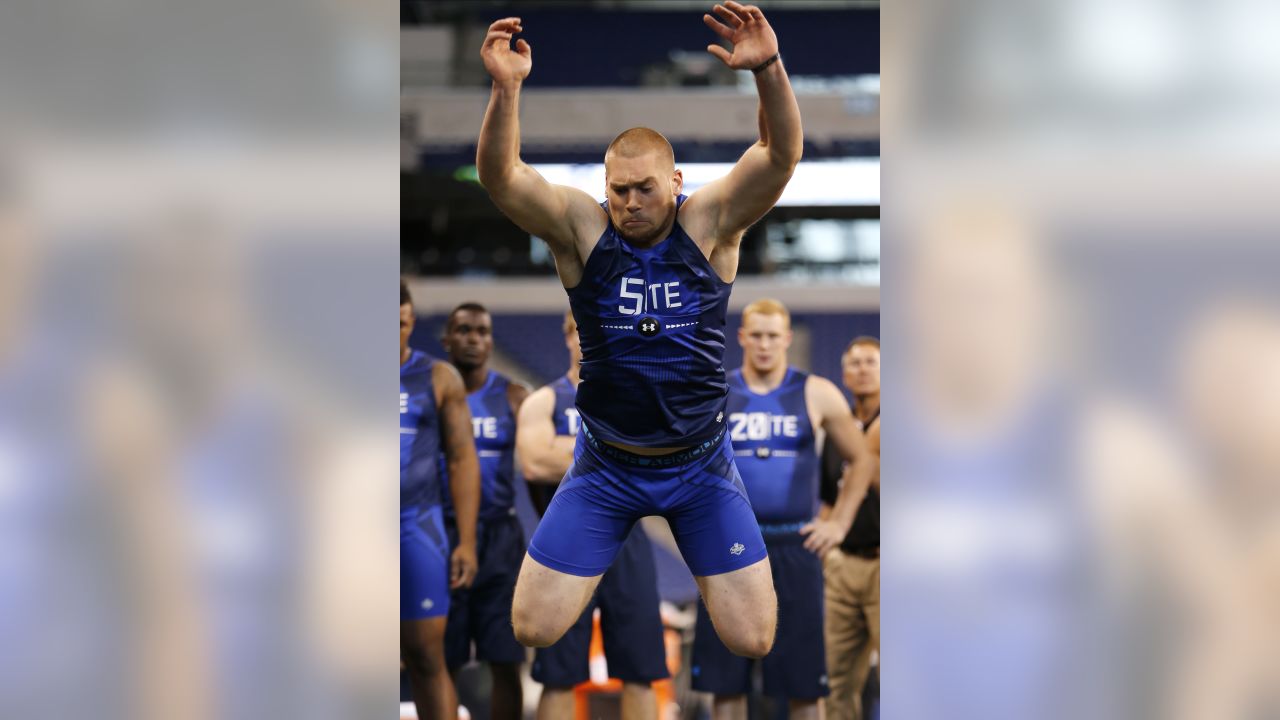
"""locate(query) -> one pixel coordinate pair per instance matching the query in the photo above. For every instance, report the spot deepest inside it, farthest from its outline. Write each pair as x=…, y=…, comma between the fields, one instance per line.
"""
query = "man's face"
x=642, y=195
x=406, y=326
x=468, y=339
x=764, y=340
x=862, y=369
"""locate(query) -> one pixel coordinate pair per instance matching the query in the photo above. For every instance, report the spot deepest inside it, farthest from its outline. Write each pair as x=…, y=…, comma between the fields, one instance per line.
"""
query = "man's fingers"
x=720, y=53
x=511, y=23
x=734, y=19
x=808, y=528
x=718, y=27
x=523, y=48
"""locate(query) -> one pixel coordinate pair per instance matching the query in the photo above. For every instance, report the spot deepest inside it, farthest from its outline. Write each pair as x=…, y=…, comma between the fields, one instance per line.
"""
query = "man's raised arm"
x=755, y=183
x=555, y=213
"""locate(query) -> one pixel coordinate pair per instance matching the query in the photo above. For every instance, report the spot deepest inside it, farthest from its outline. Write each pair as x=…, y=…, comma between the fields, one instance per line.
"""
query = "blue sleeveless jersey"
x=419, y=434
x=651, y=324
x=565, y=415
x=494, y=428
x=773, y=443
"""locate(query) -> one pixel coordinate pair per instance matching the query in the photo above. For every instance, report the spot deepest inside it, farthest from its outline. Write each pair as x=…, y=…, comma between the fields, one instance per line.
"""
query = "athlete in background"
x=853, y=572
x=777, y=415
x=481, y=614
x=433, y=418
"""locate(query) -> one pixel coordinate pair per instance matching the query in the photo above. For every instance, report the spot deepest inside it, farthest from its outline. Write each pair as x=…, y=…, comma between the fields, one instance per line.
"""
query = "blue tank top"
x=774, y=447
x=565, y=414
x=419, y=434
x=494, y=428
x=651, y=324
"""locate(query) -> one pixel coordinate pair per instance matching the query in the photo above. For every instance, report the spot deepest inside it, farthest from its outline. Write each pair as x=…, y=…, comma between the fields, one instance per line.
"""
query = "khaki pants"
x=852, y=629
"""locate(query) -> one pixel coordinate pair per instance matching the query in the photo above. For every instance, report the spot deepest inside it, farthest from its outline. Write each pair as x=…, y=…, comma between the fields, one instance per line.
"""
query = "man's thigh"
x=548, y=602
x=741, y=603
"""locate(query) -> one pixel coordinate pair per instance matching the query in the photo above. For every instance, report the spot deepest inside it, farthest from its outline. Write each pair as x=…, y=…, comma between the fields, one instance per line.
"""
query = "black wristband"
x=760, y=68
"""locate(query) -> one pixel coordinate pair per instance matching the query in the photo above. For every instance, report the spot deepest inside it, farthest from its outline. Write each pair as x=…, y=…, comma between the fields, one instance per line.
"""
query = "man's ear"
x=677, y=182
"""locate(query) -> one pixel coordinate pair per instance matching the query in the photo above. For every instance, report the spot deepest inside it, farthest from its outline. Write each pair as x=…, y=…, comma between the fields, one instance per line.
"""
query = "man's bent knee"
x=420, y=659
x=752, y=640
x=754, y=645
x=534, y=631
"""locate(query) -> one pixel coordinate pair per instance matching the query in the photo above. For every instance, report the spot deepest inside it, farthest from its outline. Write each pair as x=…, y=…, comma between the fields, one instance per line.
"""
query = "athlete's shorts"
x=424, y=564
x=796, y=668
x=698, y=491
x=629, y=621
x=482, y=613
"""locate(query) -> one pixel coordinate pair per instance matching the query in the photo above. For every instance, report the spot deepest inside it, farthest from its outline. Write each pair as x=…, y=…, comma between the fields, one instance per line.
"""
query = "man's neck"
x=405, y=352
x=865, y=406
x=763, y=382
x=474, y=377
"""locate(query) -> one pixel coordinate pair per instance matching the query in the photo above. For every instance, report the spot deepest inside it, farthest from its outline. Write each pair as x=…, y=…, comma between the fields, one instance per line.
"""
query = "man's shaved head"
x=640, y=141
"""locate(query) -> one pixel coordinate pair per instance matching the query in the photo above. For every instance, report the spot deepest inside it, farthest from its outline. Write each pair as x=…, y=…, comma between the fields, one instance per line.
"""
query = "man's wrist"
x=762, y=66
x=841, y=520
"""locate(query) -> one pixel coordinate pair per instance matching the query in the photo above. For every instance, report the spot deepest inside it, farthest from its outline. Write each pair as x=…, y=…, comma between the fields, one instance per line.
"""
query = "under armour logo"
x=648, y=326
x=737, y=549
x=427, y=604
x=720, y=417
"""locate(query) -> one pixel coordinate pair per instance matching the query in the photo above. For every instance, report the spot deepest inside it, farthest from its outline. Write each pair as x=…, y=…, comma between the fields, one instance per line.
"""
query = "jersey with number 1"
x=419, y=434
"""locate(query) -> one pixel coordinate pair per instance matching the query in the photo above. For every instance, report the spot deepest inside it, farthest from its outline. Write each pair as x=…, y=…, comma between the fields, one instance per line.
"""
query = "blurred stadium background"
x=600, y=67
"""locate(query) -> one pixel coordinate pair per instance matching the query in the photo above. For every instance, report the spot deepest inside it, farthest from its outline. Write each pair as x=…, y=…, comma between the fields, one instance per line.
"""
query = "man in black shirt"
x=852, y=571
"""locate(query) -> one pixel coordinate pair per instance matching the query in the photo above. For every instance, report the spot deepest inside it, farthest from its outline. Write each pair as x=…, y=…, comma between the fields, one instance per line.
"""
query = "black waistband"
x=679, y=457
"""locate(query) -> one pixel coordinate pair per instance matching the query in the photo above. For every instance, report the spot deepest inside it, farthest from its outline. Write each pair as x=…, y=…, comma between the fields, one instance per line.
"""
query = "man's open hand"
x=462, y=566
x=746, y=29
x=504, y=64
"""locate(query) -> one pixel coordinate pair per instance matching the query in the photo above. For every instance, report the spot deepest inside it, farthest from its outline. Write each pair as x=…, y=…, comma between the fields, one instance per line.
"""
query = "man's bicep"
x=837, y=419
x=555, y=213
x=534, y=427
x=739, y=199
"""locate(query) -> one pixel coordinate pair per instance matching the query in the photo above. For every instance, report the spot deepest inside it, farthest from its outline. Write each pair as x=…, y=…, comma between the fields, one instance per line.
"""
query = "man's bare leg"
x=547, y=602
x=638, y=702
x=729, y=707
x=743, y=608
x=806, y=710
x=507, y=699
x=422, y=648
x=555, y=703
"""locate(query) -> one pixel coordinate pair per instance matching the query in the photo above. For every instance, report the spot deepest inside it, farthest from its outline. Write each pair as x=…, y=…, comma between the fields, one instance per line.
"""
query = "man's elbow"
x=786, y=159
x=495, y=176
x=529, y=472
x=489, y=179
x=533, y=471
